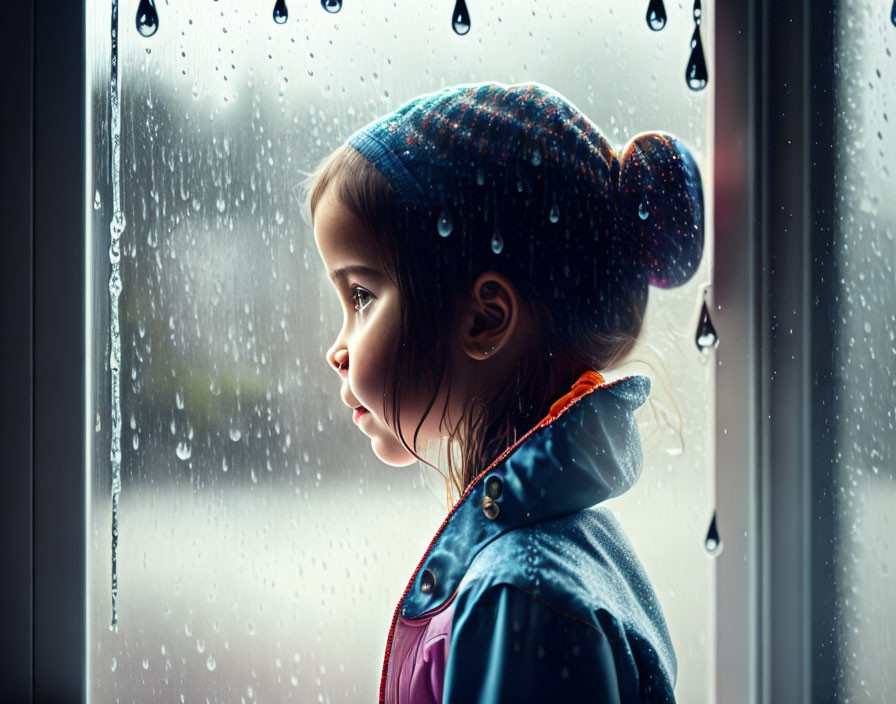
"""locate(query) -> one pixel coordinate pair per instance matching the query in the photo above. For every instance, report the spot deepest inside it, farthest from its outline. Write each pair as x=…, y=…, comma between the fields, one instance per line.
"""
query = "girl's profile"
x=492, y=255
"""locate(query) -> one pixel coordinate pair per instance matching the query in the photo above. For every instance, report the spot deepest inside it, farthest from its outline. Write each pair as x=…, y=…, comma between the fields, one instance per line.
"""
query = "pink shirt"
x=418, y=657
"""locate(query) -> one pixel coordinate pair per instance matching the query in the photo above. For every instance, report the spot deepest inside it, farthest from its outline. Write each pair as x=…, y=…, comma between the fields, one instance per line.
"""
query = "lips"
x=358, y=412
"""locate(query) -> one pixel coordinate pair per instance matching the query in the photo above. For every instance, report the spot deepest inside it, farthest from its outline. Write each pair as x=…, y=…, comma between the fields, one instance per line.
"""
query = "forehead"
x=340, y=237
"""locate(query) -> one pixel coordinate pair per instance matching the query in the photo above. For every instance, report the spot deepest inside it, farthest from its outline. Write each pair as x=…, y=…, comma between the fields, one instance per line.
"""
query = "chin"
x=394, y=456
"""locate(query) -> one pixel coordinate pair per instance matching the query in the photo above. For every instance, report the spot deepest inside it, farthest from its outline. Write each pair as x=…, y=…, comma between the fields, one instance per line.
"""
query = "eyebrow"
x=346, y=271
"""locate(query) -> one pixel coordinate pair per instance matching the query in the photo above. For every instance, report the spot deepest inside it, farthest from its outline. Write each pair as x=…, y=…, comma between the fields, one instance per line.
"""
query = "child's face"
x=367, y=343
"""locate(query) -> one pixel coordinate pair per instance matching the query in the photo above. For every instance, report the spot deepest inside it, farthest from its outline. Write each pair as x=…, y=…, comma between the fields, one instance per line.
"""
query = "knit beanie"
x=644, y=205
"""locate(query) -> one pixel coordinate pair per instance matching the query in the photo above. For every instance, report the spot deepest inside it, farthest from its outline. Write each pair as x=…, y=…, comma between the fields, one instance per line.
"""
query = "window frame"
x=44, y=426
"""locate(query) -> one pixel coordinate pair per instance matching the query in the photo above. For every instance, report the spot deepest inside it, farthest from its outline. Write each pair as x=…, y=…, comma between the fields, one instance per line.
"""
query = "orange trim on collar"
x=585, y=383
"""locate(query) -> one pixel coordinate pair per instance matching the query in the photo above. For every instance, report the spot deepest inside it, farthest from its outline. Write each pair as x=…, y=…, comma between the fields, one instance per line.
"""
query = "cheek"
x=370, y=370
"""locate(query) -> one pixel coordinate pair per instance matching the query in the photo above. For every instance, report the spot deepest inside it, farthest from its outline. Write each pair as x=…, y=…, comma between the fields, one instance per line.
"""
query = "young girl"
x=492, y=255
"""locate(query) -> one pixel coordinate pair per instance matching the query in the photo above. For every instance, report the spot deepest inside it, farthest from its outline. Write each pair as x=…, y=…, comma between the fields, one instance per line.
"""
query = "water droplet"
x=224, y=466
x=460, y=18
x=331, y=5
x=445, y=224
x=114, y=665
x=145, y=663
x=696, y=74
x=117, y=225
x=554, y=215
x=210, y=663
x=713, y=542
x=184, y=451
x=656, y=15
x=147, y=18
x=706, y=333
x=200, y=645
x=698, y=11
x=643, y=211
x=536, y=157
x=281, y=13
x=179, y=399
x=96, y=200
x=235, y=434
x=497, y=242
x=480, y=176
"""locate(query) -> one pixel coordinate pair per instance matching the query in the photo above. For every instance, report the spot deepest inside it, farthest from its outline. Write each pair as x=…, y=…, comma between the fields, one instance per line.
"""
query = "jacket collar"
x=586, y=450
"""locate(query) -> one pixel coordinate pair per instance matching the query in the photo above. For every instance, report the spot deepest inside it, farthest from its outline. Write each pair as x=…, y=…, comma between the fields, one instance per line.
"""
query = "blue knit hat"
x=433, y=147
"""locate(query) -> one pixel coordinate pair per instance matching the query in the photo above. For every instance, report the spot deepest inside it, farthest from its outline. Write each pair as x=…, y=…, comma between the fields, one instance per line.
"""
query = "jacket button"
x=490, y=507
x=494, y=486
x=427, y=581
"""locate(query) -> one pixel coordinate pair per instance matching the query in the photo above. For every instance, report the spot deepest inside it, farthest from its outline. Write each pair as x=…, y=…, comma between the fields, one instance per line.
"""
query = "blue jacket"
x=530, y=592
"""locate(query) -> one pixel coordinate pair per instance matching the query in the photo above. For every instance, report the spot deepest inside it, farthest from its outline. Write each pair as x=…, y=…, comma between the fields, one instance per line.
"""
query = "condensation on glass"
x=262, y=546
x=864, y=477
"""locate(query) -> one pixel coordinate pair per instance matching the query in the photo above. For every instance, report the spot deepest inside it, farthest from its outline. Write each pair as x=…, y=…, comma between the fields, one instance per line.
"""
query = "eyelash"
x=358, y=306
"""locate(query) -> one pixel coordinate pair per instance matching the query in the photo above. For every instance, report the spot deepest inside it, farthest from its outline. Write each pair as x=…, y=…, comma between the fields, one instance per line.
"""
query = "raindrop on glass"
x=713, y=542
x=698, y=11
x=554, y=215
x=460, y=18
x=147, y=18
x=643, y=211
x=331, y=5
x=117, y=225
x=696, y=74
x=656, y=15
x=96, y=201
x=281, y=13
x=184, y=451
x=497, y=242
x=480, y=176
x=536, y=157
x=445, y=224
x=706, y=333
x=210, y=663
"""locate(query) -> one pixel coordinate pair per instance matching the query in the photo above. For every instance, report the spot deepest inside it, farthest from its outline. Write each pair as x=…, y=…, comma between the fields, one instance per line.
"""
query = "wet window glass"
x=862, y=478
x=244, y=541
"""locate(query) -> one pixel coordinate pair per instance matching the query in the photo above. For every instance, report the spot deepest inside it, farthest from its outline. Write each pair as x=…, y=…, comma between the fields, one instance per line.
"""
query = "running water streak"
x=116, y=227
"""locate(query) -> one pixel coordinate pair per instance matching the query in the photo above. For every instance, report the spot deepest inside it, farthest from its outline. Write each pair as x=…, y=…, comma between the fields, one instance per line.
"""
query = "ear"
x=489, y=315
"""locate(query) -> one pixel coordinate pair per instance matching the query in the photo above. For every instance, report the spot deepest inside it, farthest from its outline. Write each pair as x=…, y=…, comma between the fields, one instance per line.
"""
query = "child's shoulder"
x=581, y=564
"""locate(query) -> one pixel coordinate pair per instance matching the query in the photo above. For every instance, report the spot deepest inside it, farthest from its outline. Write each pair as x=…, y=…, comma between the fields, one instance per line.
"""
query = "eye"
x=357, y=294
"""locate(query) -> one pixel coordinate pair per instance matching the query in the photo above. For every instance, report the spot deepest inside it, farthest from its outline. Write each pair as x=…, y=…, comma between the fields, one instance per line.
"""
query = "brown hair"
x=574, y=334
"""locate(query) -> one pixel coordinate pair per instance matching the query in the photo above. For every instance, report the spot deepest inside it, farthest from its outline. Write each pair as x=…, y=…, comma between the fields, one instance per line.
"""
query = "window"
x=262, y=547
x=863, y=389
x=243, y=573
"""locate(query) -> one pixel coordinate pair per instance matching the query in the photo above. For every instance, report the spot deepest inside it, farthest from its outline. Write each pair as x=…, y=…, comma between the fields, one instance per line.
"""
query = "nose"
x=338, y=359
